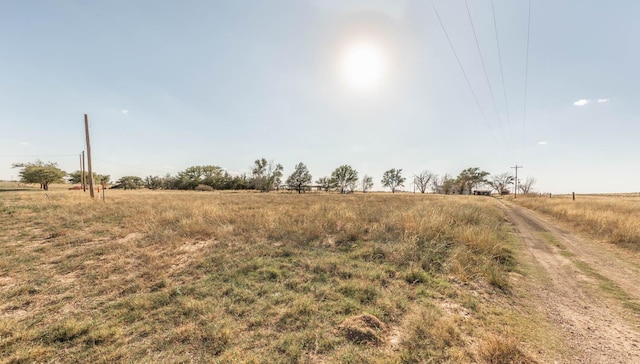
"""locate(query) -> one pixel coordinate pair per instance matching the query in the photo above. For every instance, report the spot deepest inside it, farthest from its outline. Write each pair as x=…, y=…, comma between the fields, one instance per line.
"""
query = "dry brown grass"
x=499, y=350
x=610, y=218
x=248, y=277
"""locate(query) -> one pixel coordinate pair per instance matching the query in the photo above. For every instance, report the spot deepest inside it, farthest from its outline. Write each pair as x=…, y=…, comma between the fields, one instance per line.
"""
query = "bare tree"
x=501, y=182
x=527, y=186
x=367, y=183
x=445, y=184
x=435, y=184
x=423, y=179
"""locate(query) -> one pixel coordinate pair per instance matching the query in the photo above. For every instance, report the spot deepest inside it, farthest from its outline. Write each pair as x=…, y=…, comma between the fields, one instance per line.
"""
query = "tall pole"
x=86, y=130
x=515, y=188
x=80, y=155
x=83, y=179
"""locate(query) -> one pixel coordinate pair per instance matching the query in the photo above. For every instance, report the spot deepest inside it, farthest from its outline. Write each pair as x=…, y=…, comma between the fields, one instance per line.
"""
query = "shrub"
x=203, y=188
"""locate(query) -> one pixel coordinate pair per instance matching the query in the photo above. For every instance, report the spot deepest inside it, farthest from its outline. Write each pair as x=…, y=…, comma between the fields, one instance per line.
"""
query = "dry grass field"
x=248, y=277
x=608, y=218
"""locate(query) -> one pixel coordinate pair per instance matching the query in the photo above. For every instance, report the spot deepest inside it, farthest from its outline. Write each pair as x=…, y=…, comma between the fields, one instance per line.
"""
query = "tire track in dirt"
x=595, y=325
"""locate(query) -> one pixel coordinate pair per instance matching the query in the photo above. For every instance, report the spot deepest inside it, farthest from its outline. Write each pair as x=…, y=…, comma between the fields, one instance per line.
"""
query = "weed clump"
x=433, y=337
x=64, y=331
x=363, y=329
x=496, y=350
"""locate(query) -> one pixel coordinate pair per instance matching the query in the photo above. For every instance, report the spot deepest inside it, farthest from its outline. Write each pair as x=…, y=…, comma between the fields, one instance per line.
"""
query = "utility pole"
x=86, y=130
x=83, y=180
x=515, y=188
x=81, y=184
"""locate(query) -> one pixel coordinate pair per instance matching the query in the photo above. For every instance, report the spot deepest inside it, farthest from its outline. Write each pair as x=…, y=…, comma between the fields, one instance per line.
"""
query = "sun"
x=363, y=66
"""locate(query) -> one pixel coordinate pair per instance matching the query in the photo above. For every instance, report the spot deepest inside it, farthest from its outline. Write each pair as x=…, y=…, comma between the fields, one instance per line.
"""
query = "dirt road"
x=589, y=291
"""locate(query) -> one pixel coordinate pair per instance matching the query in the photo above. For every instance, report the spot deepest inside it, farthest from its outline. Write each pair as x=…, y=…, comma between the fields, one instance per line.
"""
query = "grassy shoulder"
x=604, y=284
x=247, y=277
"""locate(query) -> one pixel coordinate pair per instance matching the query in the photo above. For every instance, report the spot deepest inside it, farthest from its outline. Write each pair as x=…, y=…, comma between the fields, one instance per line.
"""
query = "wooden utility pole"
x=515, y=188
x=83, y=179
x=81, y=184
x=86, y=130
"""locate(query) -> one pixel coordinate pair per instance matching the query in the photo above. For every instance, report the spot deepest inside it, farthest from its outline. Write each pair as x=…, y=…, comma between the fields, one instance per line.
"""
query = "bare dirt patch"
x=186, y=254
x=588, y=290
x=191, y=247
x=129, y=238
x=6, y=281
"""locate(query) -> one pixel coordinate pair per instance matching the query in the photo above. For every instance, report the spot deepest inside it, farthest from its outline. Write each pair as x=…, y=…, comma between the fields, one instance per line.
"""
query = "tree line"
x=267, y=175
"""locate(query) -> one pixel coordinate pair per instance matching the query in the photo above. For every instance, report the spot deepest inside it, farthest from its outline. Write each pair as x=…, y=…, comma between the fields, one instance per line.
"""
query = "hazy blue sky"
x=171, y=84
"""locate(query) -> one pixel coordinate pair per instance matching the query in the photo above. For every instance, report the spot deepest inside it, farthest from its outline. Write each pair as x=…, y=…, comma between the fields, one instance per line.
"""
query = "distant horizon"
x=358, y=191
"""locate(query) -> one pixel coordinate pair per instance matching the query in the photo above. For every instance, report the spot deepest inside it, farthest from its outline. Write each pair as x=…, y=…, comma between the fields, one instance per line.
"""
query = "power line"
x=475, y=97
x=486, y=74
x=526, y=76
x=36, y=155
x=128, y=166
x=504, y=88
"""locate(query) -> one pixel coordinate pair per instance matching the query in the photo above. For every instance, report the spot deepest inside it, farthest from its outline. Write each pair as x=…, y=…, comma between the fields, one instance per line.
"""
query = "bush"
x=203, y=188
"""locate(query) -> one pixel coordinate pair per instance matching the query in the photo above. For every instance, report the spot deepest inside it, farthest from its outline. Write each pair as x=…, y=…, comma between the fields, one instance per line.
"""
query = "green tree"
x=300, y=178
x=153, y=182
x=212, y=176
x=130, y=182
x=41, y=173
x=266, y=175
x=193, y=176
x=325, y=183
x=76, y=177
x=240, y=182
x=367, y=183
x=469, y=178
x=170, y=182
x=102, y=177
x=345, y=178
x=393, y=179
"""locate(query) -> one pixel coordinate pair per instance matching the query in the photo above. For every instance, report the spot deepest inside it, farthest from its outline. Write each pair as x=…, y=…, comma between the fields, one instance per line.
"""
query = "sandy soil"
x=568, y=275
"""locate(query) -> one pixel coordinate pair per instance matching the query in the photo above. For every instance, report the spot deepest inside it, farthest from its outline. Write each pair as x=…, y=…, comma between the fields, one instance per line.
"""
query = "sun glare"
x=363, y=66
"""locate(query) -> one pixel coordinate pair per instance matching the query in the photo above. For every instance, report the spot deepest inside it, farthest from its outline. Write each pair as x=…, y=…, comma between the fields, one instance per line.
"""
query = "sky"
x=374, y=84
